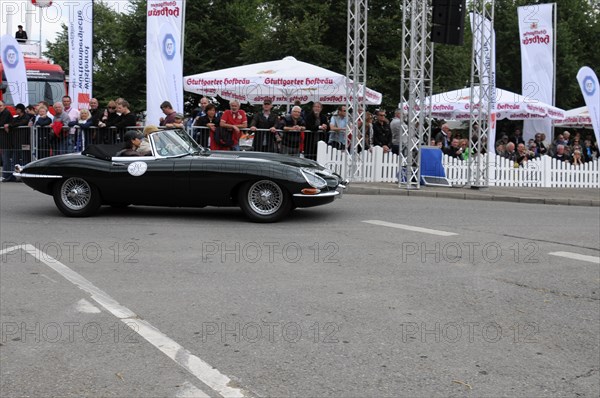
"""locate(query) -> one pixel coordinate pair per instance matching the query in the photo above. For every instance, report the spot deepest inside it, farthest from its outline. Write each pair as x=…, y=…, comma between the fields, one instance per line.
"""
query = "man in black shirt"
x=318, y=125
x=126, y=118
x=382, y=134
x=21, y=35
x=265, y=141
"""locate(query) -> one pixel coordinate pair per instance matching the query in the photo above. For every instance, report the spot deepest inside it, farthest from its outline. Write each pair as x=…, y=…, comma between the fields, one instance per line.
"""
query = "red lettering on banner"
x=332, y=98
x=165, y=11
x=235, y=80
x=514, y=107
x=537, y=40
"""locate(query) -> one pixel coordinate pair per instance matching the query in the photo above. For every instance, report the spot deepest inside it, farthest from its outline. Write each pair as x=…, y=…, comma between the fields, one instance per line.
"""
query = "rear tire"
x=75, y=197
x=264, y=201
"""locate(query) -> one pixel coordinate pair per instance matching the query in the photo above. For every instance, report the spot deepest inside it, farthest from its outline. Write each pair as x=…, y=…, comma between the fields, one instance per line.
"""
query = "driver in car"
x=133, y=140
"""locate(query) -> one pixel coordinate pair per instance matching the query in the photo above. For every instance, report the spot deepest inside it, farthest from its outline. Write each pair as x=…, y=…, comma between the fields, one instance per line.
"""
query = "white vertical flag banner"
x=536, y=33
x=80, y=52
x=14, y=69
x=164, y=69
x=588, y=81
x=488, y=59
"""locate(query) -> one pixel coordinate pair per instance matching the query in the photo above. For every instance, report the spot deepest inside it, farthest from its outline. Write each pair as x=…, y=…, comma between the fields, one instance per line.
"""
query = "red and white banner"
x=81, y=53
x=588, y=81
x=537, y=61
x=164, y=68
x=14, y=69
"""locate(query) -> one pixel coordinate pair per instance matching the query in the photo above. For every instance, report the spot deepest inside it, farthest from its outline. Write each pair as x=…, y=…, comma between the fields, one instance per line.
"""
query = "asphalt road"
x=163, y=302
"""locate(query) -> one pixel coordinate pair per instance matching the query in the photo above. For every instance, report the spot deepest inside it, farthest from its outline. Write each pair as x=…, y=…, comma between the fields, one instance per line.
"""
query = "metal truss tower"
x=483, y=92
x=415, y=85
x=356, y=70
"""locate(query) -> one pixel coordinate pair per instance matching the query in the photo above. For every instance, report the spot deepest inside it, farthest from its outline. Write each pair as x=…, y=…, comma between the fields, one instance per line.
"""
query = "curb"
x=365, y=190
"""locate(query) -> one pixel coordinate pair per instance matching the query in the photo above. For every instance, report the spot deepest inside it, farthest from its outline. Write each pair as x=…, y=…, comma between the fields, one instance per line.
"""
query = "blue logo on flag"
x=169, y=47
x=589, y=86
x=11, y=57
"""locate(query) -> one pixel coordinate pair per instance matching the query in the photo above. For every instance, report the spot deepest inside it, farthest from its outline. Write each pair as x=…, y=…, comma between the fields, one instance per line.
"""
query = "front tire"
x=264, y=201
x=75, y=197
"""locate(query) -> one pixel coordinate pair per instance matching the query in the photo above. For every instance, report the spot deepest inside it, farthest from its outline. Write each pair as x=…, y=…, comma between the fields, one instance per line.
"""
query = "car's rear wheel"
x=75, y=197
x=264, y=201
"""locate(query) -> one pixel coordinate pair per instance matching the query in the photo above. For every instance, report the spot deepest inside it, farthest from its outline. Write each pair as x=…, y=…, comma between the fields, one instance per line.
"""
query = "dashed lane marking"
x=410, y=228
x=577, y=256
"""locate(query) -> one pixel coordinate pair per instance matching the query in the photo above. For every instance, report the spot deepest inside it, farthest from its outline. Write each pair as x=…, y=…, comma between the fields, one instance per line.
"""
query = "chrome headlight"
x=313, y=180
x=326, y=172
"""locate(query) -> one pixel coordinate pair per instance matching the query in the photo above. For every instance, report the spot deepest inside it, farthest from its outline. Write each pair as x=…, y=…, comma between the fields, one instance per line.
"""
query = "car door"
x=148, y=180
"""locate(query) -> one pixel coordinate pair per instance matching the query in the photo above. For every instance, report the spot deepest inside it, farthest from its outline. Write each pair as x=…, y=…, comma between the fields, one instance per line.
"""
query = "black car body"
x=181, y=173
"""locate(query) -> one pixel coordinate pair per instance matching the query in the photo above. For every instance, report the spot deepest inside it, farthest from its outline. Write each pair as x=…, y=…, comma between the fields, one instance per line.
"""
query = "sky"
x=13, y=12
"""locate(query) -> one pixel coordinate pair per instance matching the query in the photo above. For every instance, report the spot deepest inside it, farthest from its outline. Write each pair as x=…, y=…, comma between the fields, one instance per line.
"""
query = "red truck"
x=46, y=82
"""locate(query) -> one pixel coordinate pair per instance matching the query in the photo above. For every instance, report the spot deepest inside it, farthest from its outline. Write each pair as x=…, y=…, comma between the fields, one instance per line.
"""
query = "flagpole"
x=555, y=34
x=555, y=8
x=182, y=32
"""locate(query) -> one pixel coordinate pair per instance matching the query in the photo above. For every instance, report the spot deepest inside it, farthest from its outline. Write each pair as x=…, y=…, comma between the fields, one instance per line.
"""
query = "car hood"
x=272, y=157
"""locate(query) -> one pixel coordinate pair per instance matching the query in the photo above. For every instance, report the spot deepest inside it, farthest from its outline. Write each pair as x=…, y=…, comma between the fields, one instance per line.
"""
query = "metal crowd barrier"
x=24, y=144
x=16, y=148
x=203, y=137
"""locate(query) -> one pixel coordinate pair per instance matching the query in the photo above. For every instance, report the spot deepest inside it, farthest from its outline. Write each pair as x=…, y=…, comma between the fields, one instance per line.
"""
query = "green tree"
x=106, y=50
x=221, y=34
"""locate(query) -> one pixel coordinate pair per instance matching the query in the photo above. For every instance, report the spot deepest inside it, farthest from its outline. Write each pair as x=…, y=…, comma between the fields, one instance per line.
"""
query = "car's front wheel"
x=75, y=197
x=264, y=201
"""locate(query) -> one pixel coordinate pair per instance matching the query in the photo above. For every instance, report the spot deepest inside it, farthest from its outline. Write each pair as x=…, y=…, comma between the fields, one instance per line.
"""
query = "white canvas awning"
x=283, y=82
x=578, y=117
x=456, y=104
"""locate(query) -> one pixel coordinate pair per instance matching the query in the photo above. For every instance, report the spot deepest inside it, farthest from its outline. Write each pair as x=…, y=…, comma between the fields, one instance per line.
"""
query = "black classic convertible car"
x=180, y=173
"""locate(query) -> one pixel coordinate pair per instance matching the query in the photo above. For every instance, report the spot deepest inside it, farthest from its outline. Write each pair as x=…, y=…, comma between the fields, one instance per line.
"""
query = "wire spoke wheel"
x=76, y=193
x=265, y=197
x=76, y=197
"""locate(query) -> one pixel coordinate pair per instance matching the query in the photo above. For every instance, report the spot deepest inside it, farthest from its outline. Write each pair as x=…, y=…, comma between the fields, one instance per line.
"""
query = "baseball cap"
x=179, y=116
x=131, y=135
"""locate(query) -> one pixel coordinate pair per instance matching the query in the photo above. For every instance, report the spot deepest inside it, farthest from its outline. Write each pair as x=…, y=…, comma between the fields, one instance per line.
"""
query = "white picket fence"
x=375, y=166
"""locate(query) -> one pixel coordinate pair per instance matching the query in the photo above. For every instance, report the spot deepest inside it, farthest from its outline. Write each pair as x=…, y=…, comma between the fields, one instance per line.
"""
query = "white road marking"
x=188, y=390
x=86, y=307
x=576, y=256
x=410, y=228
x=8, y=250
x=196, y=366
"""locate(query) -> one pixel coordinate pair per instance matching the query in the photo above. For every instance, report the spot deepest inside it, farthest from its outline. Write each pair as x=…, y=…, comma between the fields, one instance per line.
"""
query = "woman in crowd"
x=82, y=125
x=43, y=119
x=211, y=121
x=577, y=160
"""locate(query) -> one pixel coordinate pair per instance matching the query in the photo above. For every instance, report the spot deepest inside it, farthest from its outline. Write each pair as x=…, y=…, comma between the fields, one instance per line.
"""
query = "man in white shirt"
x=73, y=116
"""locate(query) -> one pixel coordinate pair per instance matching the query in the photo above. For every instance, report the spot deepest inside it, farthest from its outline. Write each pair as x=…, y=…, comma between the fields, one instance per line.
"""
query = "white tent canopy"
x=578, y=117
x=283, y=82
x=455, y=105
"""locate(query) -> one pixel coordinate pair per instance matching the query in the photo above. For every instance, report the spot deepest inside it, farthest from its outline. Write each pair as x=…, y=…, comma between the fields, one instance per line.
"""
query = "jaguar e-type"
x=181, y=173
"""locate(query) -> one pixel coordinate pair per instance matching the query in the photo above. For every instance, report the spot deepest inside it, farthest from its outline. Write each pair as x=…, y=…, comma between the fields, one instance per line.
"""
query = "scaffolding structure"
x=483, y=92
x=415, y=85
x=356, y=71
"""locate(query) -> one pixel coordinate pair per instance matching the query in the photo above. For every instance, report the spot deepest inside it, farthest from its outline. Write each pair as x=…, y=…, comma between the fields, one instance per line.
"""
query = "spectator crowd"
x=66, y=130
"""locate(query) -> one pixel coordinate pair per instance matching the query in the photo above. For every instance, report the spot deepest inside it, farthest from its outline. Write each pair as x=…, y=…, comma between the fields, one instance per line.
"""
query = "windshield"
x=174, y=143
x=38, y=91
